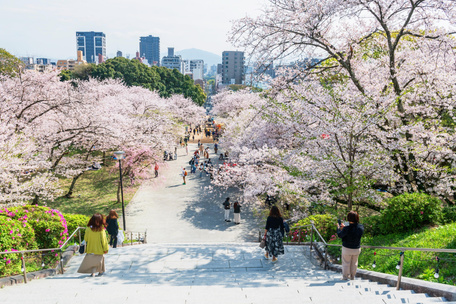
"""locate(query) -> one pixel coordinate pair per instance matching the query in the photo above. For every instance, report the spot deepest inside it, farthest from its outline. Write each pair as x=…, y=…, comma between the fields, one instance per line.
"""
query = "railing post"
x=326, y=257
x=61, y=261
x=399, y=276
x=131, y=238
x=79, y=236
x=145, y=237
x=311, y=236
x=259, y=235
x=299, y=236
x=24, y=270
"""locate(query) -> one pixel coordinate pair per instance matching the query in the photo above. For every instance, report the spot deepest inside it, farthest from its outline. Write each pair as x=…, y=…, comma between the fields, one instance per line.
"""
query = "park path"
x=176, y=213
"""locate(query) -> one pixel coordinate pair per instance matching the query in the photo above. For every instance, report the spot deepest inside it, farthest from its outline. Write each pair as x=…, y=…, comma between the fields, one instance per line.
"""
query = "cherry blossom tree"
x=376, y=111
x=56, y=128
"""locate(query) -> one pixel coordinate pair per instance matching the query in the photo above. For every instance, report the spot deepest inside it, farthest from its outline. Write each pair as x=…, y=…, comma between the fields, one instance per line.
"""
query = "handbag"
x=120, y=237
x=263, y=242
x=82, y=247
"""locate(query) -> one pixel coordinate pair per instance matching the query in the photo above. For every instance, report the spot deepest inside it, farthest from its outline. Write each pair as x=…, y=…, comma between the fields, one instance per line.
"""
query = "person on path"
x=227, y=206
x=351, y=244
x=274, y=232
x=186, y=148
x=199, y=143
x=201, y=149
x=112, y=227
x=201, y=169
x=96, y=246
x=156, y=169
x=237, y=212
x=207, y=152
x=184, y=174
x=215, y=148
x=193, y=169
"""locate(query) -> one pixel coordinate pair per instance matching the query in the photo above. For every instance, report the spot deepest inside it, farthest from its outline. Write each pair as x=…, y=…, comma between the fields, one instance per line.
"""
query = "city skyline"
x=200, y=24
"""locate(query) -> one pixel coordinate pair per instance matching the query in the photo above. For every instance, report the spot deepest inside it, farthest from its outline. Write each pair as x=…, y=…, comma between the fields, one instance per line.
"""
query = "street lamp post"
x=120, y=155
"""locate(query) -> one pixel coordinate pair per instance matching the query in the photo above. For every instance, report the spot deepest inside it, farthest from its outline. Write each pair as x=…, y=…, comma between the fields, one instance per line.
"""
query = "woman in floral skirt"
x=274, y=232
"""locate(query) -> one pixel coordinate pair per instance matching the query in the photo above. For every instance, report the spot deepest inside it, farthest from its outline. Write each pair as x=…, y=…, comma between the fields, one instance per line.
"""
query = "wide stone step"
x=206, y=273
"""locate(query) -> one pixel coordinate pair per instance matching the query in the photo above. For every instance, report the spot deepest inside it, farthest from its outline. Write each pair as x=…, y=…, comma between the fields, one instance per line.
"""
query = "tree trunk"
x=35, y=200
x=73, y=183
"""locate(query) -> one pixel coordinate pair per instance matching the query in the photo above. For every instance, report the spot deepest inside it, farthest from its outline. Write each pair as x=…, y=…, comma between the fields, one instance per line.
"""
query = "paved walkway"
x=194, y=256
x=176, y=213
x=205, y=273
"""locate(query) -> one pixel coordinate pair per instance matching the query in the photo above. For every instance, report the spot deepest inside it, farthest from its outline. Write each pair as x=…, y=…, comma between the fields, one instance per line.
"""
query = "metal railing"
x=140, y=238
x=326, y=245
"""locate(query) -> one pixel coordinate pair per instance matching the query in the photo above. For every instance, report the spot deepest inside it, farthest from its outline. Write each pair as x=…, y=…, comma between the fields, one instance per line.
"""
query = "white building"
x=196, y=67
x=173, y=61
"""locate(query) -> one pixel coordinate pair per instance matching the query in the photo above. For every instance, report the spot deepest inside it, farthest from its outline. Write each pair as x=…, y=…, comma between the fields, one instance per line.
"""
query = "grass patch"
x=417, y=264
x=95, y=191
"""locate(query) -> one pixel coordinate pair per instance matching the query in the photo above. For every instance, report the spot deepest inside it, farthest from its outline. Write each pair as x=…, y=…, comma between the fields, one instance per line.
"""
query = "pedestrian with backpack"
x=156, y=169
x=184, y=174
x=227, y=206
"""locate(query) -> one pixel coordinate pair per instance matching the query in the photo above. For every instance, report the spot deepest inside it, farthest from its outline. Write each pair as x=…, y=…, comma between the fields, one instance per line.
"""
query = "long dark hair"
x=97, y=222
x=112, y=215
x=275, y=212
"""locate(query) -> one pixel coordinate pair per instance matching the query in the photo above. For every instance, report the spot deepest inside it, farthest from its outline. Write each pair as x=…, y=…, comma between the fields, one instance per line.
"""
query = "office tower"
x=119, y=54
x=173, y=61
x=44, y=61
x=195, y=66
x=27, y=60
x=232, y=67
x=149, y=48
x=91, y=44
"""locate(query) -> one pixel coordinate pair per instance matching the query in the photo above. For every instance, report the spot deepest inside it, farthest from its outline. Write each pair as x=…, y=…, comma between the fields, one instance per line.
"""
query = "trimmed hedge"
x=34, y=227
x=326, y=224
x=410, y=211
x=74, y=221
x=14, y=236
x=49, y=225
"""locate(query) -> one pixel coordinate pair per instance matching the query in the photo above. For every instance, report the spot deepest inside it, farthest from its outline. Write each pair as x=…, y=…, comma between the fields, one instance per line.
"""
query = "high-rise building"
x=119, y=54
x=44, y=61
x=149, y=48
x=232, y=67
x=194, y=66
x=92, y=44
x=27, y=60
x=173, y=61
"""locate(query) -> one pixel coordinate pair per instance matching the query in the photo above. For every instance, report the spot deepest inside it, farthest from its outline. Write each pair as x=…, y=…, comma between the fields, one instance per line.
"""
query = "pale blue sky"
x=47, y=28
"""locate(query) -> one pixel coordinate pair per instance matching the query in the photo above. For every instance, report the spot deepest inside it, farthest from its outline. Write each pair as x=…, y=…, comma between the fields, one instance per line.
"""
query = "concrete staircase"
x=206, y=273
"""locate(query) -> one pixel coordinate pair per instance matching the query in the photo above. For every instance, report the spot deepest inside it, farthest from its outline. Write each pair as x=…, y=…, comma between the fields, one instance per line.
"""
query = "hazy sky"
x=47, y=28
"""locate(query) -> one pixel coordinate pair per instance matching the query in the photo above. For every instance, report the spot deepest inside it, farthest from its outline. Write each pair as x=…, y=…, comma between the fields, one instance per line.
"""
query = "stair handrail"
x=401, y=249
x=60, y=249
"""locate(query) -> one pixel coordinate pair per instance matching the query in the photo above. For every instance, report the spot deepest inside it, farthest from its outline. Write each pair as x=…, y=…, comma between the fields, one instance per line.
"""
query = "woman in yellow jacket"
x=96, y=246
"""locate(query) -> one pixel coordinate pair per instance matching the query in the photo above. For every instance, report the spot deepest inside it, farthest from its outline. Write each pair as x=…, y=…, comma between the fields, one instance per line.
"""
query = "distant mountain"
x=208, y=57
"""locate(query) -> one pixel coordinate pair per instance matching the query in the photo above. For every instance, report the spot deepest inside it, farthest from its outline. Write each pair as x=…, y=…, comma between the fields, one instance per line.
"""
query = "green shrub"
x=449, y=214
x=49, y=225
x=326, y=224
x=410, y=211
x=372, y=224
x=15, y=235
x=74, y=221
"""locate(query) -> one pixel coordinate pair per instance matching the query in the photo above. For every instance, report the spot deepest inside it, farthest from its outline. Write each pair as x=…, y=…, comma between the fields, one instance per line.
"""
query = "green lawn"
x=95, y=191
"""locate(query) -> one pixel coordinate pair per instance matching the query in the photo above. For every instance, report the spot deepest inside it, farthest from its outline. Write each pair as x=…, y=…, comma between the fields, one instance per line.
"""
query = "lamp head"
x=119, y=155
